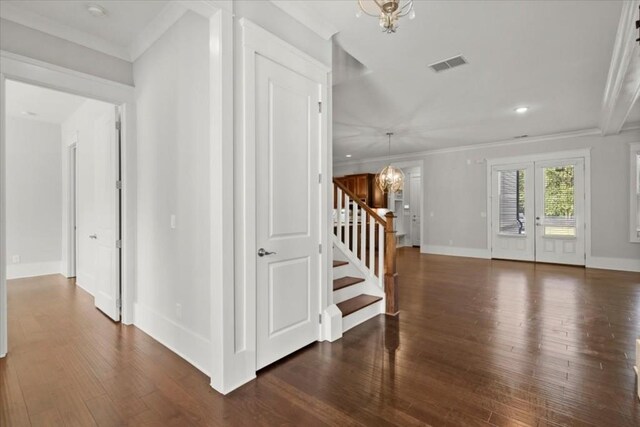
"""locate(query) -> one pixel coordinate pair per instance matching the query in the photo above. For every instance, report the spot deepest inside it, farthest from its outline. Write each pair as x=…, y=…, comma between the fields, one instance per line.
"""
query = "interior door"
x=107, y=211
x=513, y=235
x=560, y=227
x=414, y=208
x=288, y=194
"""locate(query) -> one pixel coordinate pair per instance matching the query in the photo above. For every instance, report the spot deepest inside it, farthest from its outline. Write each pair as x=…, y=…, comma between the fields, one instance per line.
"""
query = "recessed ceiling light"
x=348, y=156
x=521, y=110
x=28, y=113
x=97, y=10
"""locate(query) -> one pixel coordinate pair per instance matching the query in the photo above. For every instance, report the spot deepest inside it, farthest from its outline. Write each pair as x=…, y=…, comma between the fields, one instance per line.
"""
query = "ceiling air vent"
x=448, y=63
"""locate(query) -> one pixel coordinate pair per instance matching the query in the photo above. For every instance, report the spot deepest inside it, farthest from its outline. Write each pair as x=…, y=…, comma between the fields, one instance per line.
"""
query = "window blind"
x=512, y=196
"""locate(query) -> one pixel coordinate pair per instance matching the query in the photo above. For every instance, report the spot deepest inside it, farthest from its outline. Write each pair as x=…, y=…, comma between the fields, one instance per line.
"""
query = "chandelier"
x=390, y=179
x=387, y=11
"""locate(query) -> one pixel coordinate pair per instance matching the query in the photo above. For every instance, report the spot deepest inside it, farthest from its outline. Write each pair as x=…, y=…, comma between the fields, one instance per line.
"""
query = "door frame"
x=70, y=219
x=254, y=40
x=27, y=70
x=584, y=153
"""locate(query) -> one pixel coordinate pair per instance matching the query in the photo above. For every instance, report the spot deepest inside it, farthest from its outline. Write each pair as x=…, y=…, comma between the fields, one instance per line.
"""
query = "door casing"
x=559, y=155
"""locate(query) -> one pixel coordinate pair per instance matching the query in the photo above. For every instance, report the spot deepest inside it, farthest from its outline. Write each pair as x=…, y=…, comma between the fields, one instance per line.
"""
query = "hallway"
x=477, y=342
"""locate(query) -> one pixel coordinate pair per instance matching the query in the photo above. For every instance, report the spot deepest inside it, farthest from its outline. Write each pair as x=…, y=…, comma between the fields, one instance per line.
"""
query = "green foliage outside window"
x=559, y=192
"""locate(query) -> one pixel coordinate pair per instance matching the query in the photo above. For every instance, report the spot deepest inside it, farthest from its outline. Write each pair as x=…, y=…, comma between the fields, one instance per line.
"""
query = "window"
x=634, y=163
x=512, y=217
x=559, y=206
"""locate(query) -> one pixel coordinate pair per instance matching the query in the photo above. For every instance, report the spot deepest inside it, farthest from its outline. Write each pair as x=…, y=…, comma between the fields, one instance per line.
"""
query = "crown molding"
x=623, y=82
x=501, y=143
x=168, y=16
x=307, y=17
x=40, y=23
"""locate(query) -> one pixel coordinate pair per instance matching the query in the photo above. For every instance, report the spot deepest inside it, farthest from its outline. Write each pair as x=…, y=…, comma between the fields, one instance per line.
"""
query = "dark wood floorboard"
x=477, y=342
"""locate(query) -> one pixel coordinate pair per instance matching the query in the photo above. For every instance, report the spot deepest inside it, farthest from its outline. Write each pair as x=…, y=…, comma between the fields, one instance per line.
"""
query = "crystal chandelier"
x=387, y=11
x=390, y=179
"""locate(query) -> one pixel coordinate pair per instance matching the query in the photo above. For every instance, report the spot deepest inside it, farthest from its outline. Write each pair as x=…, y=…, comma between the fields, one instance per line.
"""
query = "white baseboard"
x=622, y=264
x=192, y=347
x=455, y=251
x=19, y=271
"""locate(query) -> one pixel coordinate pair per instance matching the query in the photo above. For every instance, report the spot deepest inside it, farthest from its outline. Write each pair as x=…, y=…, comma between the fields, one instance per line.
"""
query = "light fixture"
x=348, y=156
x=388, y=12
x=390, y=179
x=521, y=110
x=29, y=113
x=97, y=10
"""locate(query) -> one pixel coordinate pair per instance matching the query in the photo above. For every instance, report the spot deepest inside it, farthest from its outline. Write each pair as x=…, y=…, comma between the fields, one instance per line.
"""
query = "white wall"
x=80, y=127
x=172, y=93
x=33, y=197
x=25, y=41
x=456, y=192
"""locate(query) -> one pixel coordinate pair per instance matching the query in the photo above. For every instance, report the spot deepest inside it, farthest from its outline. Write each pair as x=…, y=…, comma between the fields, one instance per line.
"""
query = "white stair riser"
x=362, y=315
x=348, y=292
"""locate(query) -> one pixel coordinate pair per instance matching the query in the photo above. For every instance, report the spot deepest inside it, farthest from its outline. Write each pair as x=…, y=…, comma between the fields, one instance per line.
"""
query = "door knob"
x=93, y=236
x=262, y=252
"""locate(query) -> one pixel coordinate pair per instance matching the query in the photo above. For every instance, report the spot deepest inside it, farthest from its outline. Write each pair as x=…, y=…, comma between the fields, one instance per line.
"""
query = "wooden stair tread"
x=339, y=263
x=356, y=303
x=343, y=282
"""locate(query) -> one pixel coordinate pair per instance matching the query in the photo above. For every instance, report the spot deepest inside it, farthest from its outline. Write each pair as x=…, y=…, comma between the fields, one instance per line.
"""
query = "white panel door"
x=513, y=234
x=560, y=231
x=414, y=208
x=107, y=211
x=288, y=210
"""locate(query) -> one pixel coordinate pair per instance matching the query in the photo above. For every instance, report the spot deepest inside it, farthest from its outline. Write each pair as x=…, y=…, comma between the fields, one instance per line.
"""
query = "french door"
x=538, y=211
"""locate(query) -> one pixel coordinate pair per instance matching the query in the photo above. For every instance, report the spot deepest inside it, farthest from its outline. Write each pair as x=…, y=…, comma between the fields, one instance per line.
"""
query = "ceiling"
x=46, y=105
x=552, y=56
x=70, y=19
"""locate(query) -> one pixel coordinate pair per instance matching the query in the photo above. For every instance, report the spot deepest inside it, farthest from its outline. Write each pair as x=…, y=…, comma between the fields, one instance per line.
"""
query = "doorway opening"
x=407, y=206
x=63, y=191
x=539, y=210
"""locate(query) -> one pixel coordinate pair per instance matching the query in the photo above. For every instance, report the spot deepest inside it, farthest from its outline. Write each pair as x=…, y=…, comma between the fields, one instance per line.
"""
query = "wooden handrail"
x=360, y=203
x=390, y=273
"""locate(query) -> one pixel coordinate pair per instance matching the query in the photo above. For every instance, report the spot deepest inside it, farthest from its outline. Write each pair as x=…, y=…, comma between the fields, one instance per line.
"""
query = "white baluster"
x=354, y=236
x=363, y=237
x=381, y=234
x=347, y=220
x=339, y=214
x=372, y=244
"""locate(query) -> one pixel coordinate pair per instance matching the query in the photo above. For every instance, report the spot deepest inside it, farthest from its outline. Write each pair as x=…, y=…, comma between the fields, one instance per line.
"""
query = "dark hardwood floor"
x=477, y=342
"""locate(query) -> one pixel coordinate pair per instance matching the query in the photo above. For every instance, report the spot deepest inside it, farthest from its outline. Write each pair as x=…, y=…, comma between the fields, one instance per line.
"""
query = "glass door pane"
x=512, y=202
x=559, y=201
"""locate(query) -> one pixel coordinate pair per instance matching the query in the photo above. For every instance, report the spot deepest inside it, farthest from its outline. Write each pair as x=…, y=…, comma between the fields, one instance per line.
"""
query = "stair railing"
x=369, y=238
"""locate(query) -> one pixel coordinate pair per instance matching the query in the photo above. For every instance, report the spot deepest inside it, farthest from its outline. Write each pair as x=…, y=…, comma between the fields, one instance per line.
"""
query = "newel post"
x=390, y=274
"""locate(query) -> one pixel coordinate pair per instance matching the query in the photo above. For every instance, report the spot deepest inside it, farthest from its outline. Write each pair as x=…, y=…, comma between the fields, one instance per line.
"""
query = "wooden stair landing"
x=356, y=303
x=339, y=263
x=343, y=282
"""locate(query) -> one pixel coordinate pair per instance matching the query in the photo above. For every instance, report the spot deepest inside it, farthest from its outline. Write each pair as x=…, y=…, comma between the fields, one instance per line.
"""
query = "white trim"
x=195, y=347
x=4, y=347
x=169, y=15
x=584, y=153
x=634, y=237
x=623, y=81
x=455, y=251
x=69, y=211
x=48, y=26
x=307, y=17
x=52, y=76
x=479, y=146
x=16, y=67
x=33, y=269
x=621, y=264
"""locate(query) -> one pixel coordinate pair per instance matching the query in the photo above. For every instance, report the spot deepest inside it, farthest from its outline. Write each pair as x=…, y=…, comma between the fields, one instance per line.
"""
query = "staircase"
x=356, y=299
x=364, y=277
